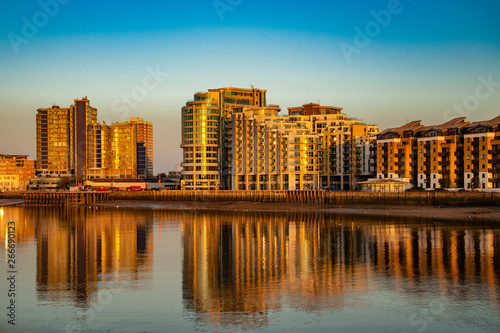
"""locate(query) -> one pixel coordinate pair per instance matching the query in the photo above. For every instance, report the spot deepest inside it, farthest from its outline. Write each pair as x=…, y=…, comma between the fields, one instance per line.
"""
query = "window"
x=421, y=177
x=483, y=176
x=483, y=156
x=433, y=176
x=468, y=176
x=468, y=157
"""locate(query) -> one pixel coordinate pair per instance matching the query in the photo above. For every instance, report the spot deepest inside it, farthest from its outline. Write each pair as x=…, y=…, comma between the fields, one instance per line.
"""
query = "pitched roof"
x=454, y=123
x=412, y=125
x=487, y=123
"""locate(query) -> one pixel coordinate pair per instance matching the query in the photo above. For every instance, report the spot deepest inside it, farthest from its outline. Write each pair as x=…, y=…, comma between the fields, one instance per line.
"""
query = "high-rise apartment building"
x=269, y=152
x=458, y=151
x=54, y=141
x=204, y=144
x=82, y=115
x=232, y=140
x=61, y=136
x=144, y=147
x=99, y=150
x=70, y=142
x=124, y=149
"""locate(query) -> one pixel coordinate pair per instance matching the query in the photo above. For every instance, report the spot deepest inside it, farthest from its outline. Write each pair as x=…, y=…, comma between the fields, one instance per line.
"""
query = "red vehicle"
x=135, y=188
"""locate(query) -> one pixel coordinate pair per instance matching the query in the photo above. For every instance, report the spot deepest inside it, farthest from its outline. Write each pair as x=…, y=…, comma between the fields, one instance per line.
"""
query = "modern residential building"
x=270, y=152
x=124, y=150
x=313, y=147
x=482, y=154
x=144, y=147
x=54, y=141
x=99, y=150
x=438, y=154
x=15, y=172
x=232, y=140
x=348, y=146
x=61, y=138
x=397, y=151
x=204, y=143
x=70, y=142
x=457, y=151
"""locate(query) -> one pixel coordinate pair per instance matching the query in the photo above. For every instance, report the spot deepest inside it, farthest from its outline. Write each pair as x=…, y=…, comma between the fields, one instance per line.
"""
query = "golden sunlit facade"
x=99, y=147
x=482, y=154
x=456, y=152
x=396, y=151
x=348, y=150
x=438, y=147
x=61, y=138
x=144, y=147
x=53, y=141
x=205, y=146
x=15, y=172
x=232, y=140
x=314, y=146
x=123, y=150
x=70, y=142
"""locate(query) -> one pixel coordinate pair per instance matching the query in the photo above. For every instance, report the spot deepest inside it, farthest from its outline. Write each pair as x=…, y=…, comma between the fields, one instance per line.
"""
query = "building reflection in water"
x=254, y=263
x=79, y=247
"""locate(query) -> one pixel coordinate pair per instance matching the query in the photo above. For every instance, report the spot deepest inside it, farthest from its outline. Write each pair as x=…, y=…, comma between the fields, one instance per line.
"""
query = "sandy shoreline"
x=429, y=212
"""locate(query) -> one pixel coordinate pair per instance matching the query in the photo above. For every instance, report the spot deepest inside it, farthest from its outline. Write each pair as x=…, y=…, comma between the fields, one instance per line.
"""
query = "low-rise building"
x=457, y=153
x=15, y=172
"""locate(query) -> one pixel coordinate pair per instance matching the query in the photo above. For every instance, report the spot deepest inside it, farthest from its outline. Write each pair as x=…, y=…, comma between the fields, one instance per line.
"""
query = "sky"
x=385, y=62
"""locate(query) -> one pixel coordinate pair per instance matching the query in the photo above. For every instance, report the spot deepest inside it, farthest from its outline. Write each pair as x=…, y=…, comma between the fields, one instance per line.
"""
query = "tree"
x=475, y=183
x=444, y=182
x=63, y=183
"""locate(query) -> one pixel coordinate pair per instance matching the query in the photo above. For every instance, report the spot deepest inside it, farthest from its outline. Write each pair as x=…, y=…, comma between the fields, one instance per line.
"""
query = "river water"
x=101, y=269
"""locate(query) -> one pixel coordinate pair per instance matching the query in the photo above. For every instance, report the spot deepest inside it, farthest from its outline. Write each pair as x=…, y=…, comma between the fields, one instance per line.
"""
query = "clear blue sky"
x=415, y=64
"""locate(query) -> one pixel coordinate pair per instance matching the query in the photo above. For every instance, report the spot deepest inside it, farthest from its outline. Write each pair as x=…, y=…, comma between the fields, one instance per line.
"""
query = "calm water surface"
x=146, y=270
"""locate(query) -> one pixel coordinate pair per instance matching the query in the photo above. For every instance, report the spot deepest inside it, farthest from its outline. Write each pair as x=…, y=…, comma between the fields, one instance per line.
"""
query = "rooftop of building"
x=486, y=123
x=14, y=156
x=451, y=124
x=411, y=126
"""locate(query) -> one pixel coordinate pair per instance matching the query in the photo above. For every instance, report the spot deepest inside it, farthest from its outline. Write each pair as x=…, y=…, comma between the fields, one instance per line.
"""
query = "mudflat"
x=430, y=212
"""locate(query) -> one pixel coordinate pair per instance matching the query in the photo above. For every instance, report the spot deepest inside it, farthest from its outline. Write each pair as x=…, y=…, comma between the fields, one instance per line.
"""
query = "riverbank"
x=426, y=212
